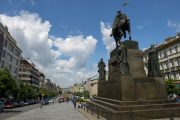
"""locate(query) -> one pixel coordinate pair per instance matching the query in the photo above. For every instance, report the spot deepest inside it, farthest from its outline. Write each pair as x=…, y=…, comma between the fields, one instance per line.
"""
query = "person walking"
x=74, y=100
x=41, y=102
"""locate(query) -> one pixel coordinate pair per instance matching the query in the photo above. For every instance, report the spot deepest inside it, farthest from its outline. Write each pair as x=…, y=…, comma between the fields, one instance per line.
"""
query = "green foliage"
x=170, y=86
x=27, y=92
x=81, y=100
x=84, y=94
x=7, y=84
x=178, y=89
x=47, y=93
x=9, y=87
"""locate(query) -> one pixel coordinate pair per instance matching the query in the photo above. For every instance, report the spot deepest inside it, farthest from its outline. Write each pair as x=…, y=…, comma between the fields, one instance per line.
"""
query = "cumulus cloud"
x=175, y=25
x=107, y=40
x=32, y=35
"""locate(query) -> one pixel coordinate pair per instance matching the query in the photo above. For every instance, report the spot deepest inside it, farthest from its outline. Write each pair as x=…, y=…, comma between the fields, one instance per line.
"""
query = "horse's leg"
x=129, y=29
x=116, y=40
x=129, y=35
x=124, y=33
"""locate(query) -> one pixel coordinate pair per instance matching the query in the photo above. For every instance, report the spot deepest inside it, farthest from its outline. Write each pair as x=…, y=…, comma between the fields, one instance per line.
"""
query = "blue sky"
x=151, y=22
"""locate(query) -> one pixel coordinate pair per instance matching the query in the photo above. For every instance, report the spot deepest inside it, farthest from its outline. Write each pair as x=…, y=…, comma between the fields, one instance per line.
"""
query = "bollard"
x=91, y=112
x=131, y=115
x=98, y=116
x=171, y=118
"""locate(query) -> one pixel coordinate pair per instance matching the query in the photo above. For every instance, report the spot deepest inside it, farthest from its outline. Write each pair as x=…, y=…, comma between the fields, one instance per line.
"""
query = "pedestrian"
x=41, y=102
x=74, y=100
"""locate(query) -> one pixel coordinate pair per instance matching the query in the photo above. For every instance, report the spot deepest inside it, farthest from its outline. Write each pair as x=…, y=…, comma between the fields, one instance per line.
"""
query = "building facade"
x=28, y=73
x=77, y=88
x=10, y=53
x=42, y=81
x=50, y=86
x=91, y=85
x=169, y=57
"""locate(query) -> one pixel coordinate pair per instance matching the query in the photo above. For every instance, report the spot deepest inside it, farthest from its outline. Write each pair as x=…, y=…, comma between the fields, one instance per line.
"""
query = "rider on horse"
x=120, y=25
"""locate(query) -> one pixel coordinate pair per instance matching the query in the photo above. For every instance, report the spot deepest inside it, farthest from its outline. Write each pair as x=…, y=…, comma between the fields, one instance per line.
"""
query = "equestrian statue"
x=121, y=24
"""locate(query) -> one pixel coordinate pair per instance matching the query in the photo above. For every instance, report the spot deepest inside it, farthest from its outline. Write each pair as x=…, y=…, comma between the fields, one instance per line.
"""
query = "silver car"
x=1, y=105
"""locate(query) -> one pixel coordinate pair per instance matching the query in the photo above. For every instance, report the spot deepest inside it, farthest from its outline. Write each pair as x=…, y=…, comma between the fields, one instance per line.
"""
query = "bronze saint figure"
x=122, y=59
x=102, y=70
x=153, y=63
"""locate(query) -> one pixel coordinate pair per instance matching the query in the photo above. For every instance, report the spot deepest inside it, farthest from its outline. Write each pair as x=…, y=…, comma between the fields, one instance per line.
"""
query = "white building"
x=169, y=57
x=10, y=53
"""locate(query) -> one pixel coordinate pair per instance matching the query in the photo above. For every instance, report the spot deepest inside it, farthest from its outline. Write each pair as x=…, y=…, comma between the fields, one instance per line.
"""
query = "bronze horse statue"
x=120, y=26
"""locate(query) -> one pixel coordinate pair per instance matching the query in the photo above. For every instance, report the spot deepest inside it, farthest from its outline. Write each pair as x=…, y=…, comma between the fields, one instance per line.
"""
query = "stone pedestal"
x=132, y=96
x=135, y=85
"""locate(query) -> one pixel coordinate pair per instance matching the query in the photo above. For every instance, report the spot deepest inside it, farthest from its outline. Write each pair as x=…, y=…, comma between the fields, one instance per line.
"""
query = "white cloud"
x=32, y=2
x=175, y=25
x=32, y=35
x=107, y=40
x=140, y=27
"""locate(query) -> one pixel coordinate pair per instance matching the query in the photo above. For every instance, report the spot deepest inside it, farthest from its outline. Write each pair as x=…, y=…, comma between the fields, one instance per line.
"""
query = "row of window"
x=29, y=76
x=174, y=76
x=8, y=45
x=11, y=48
x=28, y=71
x=8, y=66
x=10, y=57
x=170, y=63
x=168, y=52
x=31, y=82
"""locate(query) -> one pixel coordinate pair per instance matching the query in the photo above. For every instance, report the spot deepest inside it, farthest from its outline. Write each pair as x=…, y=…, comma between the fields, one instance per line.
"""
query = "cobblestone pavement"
x=56, y=111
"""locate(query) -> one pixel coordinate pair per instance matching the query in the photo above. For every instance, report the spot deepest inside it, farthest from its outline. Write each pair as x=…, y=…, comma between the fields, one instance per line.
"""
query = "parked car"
x=21, y=103
x=177, y=98
x=8, y=105
x=51, y=101
x=26, y=102
x=1, y=104
x=61, y=99
x=15, y=104
x=45, y=101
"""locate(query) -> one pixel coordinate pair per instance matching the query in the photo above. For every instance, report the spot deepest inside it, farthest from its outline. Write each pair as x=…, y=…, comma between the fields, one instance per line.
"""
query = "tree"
x=7, y=84
x=170, y=86
x=86, y=94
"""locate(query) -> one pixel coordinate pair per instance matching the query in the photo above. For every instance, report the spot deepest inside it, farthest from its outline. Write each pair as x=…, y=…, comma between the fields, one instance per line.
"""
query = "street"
x=55, y=111
x=12, y=112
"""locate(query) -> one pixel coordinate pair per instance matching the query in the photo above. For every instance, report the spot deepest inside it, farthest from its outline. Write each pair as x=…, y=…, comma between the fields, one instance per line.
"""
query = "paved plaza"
x=56, y=111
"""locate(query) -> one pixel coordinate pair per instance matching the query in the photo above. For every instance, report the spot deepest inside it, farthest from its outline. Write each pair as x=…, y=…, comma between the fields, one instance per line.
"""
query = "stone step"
x=138, y=107
x=144, y=102
x=136, y=114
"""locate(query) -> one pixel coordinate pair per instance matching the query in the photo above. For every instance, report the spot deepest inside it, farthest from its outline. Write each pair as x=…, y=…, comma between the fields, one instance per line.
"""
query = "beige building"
x=42, y=81
x=169, y=57
x=91, y=85
x=77, y=88
x=28, y=73
x=10, y=53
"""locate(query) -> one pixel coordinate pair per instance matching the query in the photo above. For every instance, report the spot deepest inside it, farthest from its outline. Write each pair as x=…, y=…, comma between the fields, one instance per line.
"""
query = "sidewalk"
x=56, y=111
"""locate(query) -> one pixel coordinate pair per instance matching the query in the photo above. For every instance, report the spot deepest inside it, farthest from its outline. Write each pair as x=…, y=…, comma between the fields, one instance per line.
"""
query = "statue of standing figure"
x=121, y=24
x=122, y=59
x=153, y=63
x=102, y=70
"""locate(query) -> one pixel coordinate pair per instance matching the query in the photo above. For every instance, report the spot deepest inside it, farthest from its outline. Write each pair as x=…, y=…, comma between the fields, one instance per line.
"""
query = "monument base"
x=132, y=96
x=134, y=110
